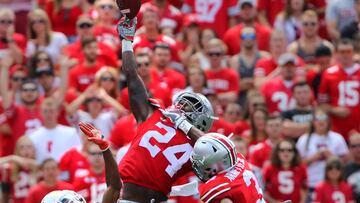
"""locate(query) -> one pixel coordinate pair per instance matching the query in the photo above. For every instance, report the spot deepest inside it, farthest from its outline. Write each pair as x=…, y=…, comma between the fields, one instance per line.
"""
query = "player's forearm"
x=195, y=134
x=4, y=78
x=111, y=170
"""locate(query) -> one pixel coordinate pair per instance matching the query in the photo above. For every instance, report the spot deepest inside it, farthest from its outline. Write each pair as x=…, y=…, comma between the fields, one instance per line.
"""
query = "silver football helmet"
x=63, y=196
x=201, y=114
x=213, y=153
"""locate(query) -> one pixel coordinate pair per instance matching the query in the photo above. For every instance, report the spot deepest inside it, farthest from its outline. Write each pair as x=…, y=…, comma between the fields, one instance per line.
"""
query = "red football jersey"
x=239, y=185
x=172, y=78
x=277, y=96
x=338, y=88
x=81, y=76
x=327, y=193
x=39, y=191
x=233, y=41
x=73, y=164
x=141, y=41
x=261, y=154
x=92, y=187
x=224, y=80
x=158, y=155
x=213, y=14
x=285, y=184
x=170, y=16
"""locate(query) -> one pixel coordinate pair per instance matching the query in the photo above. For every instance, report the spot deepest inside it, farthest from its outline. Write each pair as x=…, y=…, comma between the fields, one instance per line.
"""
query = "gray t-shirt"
x=341, y=11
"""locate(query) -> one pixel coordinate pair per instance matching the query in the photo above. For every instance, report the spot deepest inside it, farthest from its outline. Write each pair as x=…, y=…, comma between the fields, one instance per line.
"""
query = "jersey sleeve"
x=211, y=191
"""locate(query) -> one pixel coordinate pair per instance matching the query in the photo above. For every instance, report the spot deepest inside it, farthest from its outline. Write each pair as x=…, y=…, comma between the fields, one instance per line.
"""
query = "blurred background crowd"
x=282, y=76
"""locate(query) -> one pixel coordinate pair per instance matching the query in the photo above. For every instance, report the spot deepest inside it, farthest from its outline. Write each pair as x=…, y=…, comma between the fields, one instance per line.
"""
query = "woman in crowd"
x=285, y=178
x=41, y=37
x=318, y=145
x=19, y=171
x=200, y=58
x=108, y=79
x=333, y=189
x=256, y=133
x=289, y=21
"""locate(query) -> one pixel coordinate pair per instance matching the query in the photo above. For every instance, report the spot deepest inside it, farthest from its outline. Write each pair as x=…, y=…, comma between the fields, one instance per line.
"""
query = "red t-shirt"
x=223, y=127
x=173, y=79
x=141, y=41
x=277, y=96
x=92, y=186
x=224, y=80
x=80, y=77
x=233, y=41
x=328, y=193
x=285, y=184
x=73, y=164
x=123, y=131
x=261, y=154
x=39, y=191
x=170, y=16
x=106, y=55
x=212, y=14
x=272, y=8
x=338, y=88
x=64, y=20
x=239, y=185
x=157, y=90
x=158, y=155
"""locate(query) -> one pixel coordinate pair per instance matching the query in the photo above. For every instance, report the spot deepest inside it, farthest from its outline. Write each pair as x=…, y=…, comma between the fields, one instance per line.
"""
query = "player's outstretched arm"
x=137, y=92
x=113, y=182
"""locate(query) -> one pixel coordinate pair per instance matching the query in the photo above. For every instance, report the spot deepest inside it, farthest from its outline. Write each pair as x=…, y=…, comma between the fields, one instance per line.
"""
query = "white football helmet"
x=202, y=112
x=213, y=153
x=63, y=196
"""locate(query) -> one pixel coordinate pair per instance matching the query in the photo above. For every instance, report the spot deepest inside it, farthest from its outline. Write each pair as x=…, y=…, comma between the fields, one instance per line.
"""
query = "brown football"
x=130, y=8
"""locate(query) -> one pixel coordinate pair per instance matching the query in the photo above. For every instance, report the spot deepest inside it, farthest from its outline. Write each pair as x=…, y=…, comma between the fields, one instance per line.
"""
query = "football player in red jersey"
x=163, y=140
x=226, y=174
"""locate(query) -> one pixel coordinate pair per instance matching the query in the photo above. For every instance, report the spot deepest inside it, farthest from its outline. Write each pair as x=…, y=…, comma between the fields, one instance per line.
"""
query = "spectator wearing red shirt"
x=217, y=15
x=170, y=16
x=261, y=153
x=85, y=30
x=156, y=88
x=11, y=44
x=233, y=115
x=92, y=186
x=123, y=131
x=161, y=70
x=339, y=90
x=83, y=75
x=63, y=15
x=268, y=10
x=286, y=177
x=223, y=80
x=149, y=36
x=105, y=30
x=50, y=182
x=248, y=16
x=278, y=92
x=333, y=188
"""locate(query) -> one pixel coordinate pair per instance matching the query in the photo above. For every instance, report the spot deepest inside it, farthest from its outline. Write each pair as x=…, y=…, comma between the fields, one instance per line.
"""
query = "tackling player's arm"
x=113, y=182
x=138, y=96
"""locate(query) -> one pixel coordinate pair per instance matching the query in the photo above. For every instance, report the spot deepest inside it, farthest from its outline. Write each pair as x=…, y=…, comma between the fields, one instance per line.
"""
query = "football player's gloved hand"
x=94, y=135
x=126, y=28
x=178, y=118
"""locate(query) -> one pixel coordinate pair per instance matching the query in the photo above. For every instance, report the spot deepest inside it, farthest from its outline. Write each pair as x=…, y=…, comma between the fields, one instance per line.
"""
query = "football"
x=130, y=8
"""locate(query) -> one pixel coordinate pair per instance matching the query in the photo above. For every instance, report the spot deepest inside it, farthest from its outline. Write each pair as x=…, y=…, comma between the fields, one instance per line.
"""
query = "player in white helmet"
x=63, y=196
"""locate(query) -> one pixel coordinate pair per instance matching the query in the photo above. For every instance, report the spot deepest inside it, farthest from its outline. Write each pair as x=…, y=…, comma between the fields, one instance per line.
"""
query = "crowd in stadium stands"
x=283, y=77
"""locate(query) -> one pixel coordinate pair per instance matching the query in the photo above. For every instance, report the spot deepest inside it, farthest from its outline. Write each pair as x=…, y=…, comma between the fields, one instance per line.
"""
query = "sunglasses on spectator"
x=248, y=36
x=40, y=59
x=18, y=79
x=259, y=104
x=215, y=54
x=29, y=89
x=85, y=25
x=39, y=21
x=95, y=153
x=354, y=145
x=107, y=79
x=106, y=7
x=345, y=51
x=321, y=117
x=309, y=24
x=146, y=64
x=91, y=99
x=337, y=167
x=233, y=112
x=8, y=22
x=286, y=150
x=46, y=73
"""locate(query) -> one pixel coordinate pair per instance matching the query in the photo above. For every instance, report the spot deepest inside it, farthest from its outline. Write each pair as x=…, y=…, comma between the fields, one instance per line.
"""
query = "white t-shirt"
x=334, y=142
x=53, y=143
x=104, y=121
x=58, y=40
